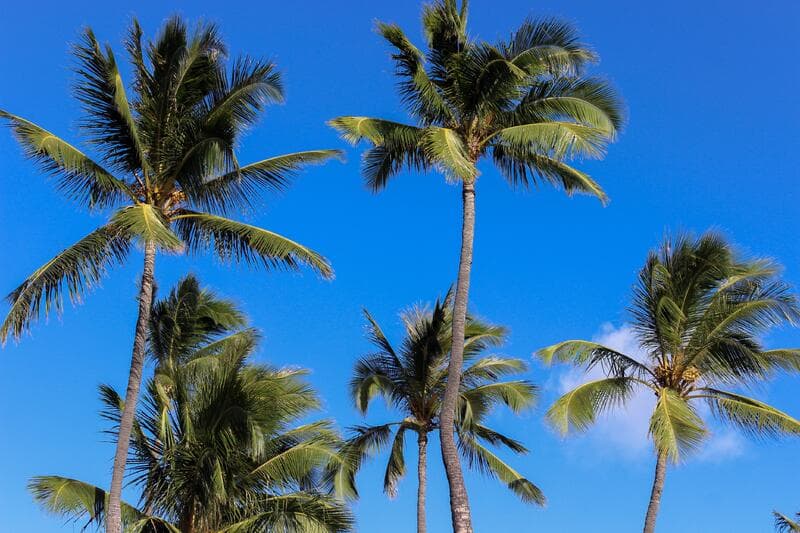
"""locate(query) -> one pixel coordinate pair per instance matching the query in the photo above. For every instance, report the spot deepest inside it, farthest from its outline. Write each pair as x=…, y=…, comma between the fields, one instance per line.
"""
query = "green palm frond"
x=548, y=44
x=556, y=139
x=396, y=466
x=240, y=186
x=523, y=168
x=307, y=512
x=492, y=367
x=109, y=122
x=516, y=395
x=752, y=416
x=579, y=408
x=591, y=354
x=419, y=93
x=78, y=177
x=478, y=456
x=296, y=462
x=784, y=524
x=147, y=224
x=76, y=500
x=675, y=427
x=75, y=271
x=191, y=319
x=445, y=149
x=592, y=102
x=376, y=131
x=236, y=241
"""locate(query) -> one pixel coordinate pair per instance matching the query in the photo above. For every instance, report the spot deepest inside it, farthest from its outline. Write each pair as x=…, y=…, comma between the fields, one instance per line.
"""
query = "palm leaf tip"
x=528, y=492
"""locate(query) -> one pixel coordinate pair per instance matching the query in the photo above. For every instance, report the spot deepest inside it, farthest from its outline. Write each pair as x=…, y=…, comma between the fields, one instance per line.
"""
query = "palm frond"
x=109, y=120
x=579, y=408
x=592, y=354
x=522, y=167
x=238, y=242
x=147, y=224
x=675, y=427
x=548, y=45
x=556, y=139
x=78, y=177
x=478, y=456
x=76, y=500
x=75, y=271
x=419, y=93
x=752, y=416
x=784, y=524
x=307, y=512
x=240, y=186
x=396, y=467
x=445, y=149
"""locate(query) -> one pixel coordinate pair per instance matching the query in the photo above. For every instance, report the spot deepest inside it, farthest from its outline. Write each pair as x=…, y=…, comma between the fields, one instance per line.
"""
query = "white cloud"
x=623, y=431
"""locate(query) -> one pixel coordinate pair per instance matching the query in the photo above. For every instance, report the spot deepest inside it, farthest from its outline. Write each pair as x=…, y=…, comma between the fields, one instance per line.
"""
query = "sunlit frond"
x=238, y=242
x=240, y=186
x=752, y=416
x=579, y=408
x=675, y=427
x=478, y=456
x=75, y=271
x=77, y=176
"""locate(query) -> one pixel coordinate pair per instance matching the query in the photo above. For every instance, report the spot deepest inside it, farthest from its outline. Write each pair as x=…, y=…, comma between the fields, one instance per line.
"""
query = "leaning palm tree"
x=524, y=102
x=412, y=379
x=698, y=312
x=166, y=173
x=784, y=524
x=216, y=445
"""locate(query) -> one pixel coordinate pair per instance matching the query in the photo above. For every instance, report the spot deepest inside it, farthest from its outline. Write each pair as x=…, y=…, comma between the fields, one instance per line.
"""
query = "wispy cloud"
x=623, y=432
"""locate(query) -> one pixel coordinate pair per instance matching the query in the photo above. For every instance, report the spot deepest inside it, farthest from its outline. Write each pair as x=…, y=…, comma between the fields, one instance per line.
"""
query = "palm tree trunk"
x=459, y=502
x=422, y=480
x=655, y=495
x=114, y=515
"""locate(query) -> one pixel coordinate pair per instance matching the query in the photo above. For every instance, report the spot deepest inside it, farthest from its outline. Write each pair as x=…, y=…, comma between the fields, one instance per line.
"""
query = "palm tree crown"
x=412, y=379
x=525, y=102
x=216, y=445
x=166, y=168
x=698, y=312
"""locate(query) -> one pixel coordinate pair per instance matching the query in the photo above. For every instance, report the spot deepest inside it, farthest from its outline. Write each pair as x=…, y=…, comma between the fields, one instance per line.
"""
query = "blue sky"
x=712, y=141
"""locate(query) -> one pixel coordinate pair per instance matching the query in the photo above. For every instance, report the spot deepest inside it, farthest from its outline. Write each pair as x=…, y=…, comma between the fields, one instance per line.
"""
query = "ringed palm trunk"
x=459, y=502
x=114, y=514
x=422, y=480
x=655, y=495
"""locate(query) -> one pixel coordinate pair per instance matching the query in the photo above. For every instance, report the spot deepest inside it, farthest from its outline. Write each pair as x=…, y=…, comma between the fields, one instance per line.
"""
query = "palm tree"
x=166, y=172
x=524, y=102
x=784, y=524
x=412, y=379
x=215, y=446
x=698, y=312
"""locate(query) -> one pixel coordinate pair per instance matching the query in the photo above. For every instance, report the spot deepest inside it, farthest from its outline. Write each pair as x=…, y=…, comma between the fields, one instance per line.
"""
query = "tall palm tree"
x=215, y=445
x=698, y=312
x=412, y=379
x=166, y=173
x=784, y=524
x=524, y=102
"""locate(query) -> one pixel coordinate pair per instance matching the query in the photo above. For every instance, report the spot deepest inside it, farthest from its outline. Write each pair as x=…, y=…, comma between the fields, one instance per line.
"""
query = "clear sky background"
x=712, y=141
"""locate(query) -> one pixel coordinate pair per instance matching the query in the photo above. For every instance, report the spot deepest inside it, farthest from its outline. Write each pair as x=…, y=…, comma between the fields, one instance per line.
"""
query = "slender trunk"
x=459, y=502
x=114, y=515
x=422, y=480
x=186, y=523
x=655, y=495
